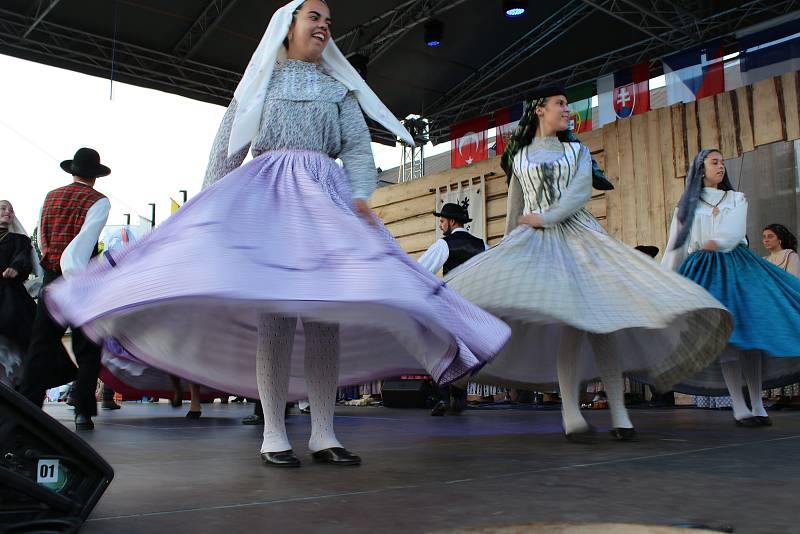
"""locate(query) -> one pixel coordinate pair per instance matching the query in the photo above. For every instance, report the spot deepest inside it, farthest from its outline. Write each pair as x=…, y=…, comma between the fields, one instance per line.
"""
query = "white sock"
x=569, y=380
x=751, y=369
x=732, y=373
x=607, y=361
x=322, y=375
x=273, y=362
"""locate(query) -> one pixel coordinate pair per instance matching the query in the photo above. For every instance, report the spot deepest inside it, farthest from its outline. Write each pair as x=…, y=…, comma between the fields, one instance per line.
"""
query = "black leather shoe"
x=253, y=419
x=83, y=422
x=191, y=414
x=587, y=436
x=764, y=420
x=624, y=434
x=336, y=456
x=749, y=422
x=439, y=409
x=280, y=459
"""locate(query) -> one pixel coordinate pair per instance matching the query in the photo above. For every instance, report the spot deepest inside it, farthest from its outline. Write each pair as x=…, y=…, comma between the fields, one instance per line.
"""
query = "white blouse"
x=786, y=259
x=727, y=227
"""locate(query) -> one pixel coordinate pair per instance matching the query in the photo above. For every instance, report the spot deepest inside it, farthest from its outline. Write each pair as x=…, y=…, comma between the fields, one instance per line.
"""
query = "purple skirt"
x=275, y=236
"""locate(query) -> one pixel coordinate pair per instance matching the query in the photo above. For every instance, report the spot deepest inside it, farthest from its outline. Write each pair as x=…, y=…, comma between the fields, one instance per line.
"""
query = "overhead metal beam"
x=533, y=42
x=400, y=23
x=633, y=18
x=56, y=44
x=41, y=14
x=720, y=24
x=202, y=27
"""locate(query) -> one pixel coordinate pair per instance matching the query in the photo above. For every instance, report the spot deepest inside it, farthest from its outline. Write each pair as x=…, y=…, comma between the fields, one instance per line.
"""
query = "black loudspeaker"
x=406, y=393
x=50, y=479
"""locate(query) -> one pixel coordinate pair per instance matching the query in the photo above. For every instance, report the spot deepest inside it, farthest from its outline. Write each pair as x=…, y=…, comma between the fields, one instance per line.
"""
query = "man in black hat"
x=70, y=223
x=456, y=247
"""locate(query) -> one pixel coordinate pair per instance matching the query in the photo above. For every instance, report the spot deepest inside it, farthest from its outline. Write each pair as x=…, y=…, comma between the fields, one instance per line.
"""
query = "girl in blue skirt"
x=707, y=244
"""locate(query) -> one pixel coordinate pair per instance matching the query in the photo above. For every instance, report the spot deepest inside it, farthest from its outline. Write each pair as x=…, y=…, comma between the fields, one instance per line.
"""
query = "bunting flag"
x=173, y=206
x=695, y=73
x=769, y=52
x=468, y=142
x=506, y=121
x=624, y=93
x=580, y=104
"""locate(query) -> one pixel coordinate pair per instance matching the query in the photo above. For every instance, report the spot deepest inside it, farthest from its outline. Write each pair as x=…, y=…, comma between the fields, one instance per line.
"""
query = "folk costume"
x=70, y=223
x=580, y=303
x=763, y=298
x=214, y=294
x=17, y=308
x=447, y=253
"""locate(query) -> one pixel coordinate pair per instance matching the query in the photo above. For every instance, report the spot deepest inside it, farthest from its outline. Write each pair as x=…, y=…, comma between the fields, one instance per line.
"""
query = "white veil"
x=252, y=89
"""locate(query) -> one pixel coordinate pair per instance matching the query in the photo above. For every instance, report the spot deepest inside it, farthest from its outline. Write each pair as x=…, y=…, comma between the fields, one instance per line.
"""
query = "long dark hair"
x=694, y=183
x=526, y=131
x=787, y=238
x=524, y=134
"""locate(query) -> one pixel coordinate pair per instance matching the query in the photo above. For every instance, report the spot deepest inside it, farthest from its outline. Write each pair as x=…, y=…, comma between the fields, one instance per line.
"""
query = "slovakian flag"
x=769, y=52
x=695, y=73
x=580, y=105
x=506, y=121
x=468, y=142
x=624, y=93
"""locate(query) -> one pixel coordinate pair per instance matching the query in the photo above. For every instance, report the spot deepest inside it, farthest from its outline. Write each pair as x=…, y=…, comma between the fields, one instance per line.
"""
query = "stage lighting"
x=433, y=32
x=515, y=8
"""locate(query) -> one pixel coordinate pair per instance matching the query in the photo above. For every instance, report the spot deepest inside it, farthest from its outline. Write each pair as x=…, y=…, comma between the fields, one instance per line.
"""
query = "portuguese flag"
x=580, y=101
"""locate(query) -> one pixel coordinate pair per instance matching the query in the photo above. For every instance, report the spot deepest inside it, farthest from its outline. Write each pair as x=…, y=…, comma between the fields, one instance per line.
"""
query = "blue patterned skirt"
x=765, y=303
x=763, y=299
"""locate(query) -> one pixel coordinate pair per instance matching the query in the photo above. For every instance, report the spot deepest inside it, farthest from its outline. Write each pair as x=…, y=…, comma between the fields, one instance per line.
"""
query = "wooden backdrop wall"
x=646, y=158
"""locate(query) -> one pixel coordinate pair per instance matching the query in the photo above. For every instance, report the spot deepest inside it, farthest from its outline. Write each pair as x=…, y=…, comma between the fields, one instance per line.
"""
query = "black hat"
x=86, y=164
x=649, y=250
x=454, y=211
x=544, y=91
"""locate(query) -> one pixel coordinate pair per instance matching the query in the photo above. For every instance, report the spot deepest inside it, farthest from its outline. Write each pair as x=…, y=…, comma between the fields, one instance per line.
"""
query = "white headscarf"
x=251, y=92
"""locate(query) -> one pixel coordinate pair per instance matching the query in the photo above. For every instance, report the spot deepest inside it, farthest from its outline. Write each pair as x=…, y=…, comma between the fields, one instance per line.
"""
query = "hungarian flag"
x=506, y=121
x=624, y=93
x=468, y=142
x=580, y=104
x=694, y=73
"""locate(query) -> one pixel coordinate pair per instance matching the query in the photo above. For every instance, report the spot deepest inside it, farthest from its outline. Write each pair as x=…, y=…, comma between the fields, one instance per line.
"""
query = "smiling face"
x=714, y=169
x=310, y=31
x=6, y=213
x=554, y=114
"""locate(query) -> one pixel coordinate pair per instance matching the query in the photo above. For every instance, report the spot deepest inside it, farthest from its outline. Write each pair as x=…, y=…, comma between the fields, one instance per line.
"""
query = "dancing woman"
x=707, y=244
x=580, y=303
x=215, y=293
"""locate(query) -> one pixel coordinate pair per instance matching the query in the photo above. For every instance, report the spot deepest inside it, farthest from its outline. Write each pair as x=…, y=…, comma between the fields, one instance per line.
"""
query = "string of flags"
x=689, y=75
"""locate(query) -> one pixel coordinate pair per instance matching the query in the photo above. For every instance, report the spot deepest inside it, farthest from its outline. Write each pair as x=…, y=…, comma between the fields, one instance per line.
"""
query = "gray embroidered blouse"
x=306, y=109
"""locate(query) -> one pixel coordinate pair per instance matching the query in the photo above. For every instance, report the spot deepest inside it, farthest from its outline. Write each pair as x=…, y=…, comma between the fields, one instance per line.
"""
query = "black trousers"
x=48, y=365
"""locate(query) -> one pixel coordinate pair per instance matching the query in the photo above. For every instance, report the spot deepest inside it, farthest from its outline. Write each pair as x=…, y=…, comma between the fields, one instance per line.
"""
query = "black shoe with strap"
x=588, y=436
x=439, y=409
x=280, y=459
x=624, y=434
x=336, y=456
x=253, y=419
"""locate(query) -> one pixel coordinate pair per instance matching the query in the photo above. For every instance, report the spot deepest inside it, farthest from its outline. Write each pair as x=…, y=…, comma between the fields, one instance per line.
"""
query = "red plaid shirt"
x=63, y=214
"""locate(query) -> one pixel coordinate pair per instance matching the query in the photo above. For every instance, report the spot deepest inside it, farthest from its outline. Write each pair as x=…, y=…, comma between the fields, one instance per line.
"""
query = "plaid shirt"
x=63, y=215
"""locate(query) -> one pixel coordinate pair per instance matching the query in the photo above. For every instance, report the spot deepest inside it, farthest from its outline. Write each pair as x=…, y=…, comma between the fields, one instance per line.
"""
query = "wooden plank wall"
x=646, y=158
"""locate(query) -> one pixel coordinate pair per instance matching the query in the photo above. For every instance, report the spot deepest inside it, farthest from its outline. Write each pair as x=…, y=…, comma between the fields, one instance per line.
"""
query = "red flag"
x=506, y=121
x=468, y=142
